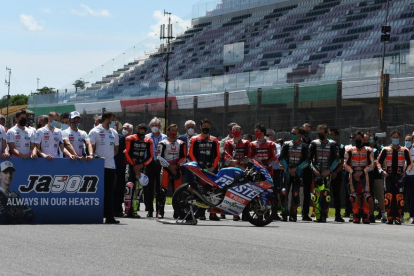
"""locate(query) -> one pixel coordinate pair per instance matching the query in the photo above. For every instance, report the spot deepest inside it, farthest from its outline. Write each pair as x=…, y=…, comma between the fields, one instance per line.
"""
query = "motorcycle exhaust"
x=200, y=197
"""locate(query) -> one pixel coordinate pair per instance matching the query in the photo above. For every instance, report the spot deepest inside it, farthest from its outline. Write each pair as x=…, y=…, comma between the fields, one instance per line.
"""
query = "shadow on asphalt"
x=173, y=222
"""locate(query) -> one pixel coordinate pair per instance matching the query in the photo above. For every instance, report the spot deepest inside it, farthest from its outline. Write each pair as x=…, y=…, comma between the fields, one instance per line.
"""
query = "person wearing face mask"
x=263, y=150
x=359, y=162
x=294, y=158
x=42, y=120
x=174, y=152
x=236, y=150
x=409, y=179
x=30, y=120
x=20, y=139
x=105, y=144
x=393, y=162
x=127, y=129
x=64, y=121
x=49, y=140
x=79, y=139
x=223, y=141
x=205, y=150
x=337, y=174
x=189, y=126
x=323, y=160
x=376, y=182
x=154, y=169
x=307, y=175
x=139, y=154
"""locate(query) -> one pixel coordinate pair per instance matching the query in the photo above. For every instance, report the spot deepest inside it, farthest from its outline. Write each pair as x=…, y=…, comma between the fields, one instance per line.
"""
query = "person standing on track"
x=105, y=143
x=153, y=169
x=294, y=157
x=205, y=150
x=307, y=175
x=78, y=138
x=393, y=162
x=173, y=152
x=235, y=151
x=139, y=154
x=20, y=139
x=187, y=176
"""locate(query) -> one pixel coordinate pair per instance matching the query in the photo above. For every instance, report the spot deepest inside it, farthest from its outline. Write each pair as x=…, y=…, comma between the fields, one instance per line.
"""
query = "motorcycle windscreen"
x=237, y=198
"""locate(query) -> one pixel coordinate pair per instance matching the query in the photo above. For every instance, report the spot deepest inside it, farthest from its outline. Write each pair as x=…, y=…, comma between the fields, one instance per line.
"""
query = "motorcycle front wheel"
x=259, y=217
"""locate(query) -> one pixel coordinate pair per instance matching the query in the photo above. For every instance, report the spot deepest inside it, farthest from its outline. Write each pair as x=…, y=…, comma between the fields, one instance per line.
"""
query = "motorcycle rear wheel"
x=258, y=217
x=180, y=200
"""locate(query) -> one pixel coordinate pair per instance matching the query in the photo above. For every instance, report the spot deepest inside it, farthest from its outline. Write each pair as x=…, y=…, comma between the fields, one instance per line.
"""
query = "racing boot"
x=365, y=219
x=214, y=217
x=357, y=219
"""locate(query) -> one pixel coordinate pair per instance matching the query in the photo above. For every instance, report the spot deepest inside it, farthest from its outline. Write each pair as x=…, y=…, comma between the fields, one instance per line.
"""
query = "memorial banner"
x=60, y=191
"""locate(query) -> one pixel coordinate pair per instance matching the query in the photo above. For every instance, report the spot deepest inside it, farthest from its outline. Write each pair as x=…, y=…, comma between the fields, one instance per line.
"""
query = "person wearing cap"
x=49, y=140
x=105, y=144
x=79, y=139
x=20, y=139
x=11, y=214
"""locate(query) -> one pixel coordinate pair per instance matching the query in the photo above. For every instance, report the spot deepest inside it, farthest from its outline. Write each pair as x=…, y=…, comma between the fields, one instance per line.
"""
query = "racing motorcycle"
x=228, y=192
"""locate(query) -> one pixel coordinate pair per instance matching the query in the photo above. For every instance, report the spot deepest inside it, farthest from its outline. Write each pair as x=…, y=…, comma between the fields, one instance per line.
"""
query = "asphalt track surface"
x=150, y=247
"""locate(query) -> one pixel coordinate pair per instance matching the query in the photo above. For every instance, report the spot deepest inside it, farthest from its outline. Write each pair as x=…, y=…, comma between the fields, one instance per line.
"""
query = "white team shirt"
x=21, y=139
x=411, y=171
x=49, y=141
x=77, y=139
x=3, y=137
x=105, y=141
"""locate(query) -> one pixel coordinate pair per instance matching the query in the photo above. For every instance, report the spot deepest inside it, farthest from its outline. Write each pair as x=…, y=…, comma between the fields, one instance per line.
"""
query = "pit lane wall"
x=60, y=191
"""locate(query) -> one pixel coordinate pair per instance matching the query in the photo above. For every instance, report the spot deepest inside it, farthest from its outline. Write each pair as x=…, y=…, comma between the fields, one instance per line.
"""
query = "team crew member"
x=409, y=179
x=78, y=138
x=127, y=129
x=189, y=126
x=359, y=163
x=153, y=169
x=64, y=121
x=294, y=158
x=41, y=121
x=263, y=150
x=235, y=151
x=105, y=143
x=4, y=150
x=30, y=121
x=205, y=150
x=307, y=175
x=174, y=152
x=337, y=174
x=20, y=139
x=138, y=153
x=49, y=139
x=323, y=160
x=393, y=162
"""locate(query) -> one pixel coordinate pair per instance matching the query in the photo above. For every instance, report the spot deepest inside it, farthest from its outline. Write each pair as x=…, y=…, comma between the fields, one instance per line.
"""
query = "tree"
x=46, y=90
x=79, y=84
x=18, y=99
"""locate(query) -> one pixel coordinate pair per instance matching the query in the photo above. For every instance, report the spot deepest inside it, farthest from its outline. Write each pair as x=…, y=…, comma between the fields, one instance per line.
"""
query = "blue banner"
x=60, y=191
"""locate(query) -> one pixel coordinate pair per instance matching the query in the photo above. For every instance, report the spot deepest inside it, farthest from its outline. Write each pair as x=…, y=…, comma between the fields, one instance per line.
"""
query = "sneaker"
x=236, y=218
x=292, y=219
x=390, y=221
x=111, y=221
x=214, y=217
x=306, y=218
x=339, y=219
x=277, y=217
x=410, y=220
x=119, y=214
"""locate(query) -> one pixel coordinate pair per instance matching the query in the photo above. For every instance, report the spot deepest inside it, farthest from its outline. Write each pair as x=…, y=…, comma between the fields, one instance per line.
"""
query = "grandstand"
x=239, y=45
